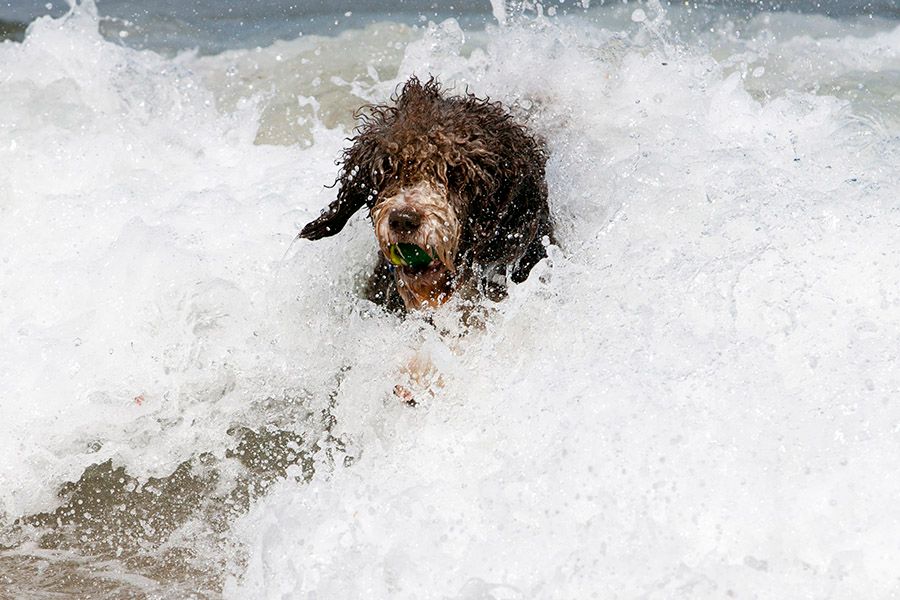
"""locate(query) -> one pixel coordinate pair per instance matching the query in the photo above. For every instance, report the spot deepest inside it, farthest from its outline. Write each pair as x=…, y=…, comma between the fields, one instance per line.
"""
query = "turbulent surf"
x=695, y=395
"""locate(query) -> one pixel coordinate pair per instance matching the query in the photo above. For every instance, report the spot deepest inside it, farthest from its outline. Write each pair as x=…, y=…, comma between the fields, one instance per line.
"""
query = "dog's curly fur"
x=463, y=162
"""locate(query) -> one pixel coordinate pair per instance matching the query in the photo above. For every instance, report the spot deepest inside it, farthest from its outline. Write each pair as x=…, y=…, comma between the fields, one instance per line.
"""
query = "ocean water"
x=695, y=396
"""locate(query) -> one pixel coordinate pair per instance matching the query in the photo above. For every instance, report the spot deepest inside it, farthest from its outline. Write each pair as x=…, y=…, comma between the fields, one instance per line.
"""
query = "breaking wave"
x=695, y=395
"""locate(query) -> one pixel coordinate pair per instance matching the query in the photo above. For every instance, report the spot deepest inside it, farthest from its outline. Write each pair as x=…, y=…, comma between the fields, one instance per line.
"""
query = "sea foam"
x=695, y=395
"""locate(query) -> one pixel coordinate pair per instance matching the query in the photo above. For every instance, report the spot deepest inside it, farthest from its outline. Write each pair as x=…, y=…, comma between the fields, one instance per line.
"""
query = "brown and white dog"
x=456, y=176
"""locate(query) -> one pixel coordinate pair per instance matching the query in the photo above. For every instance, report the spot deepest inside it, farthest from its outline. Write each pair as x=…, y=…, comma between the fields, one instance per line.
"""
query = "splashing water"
x=695, y=395
x=498, y=9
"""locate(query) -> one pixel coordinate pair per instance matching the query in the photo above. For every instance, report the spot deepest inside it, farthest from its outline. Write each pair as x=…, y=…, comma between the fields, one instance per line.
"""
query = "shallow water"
x=694, y=396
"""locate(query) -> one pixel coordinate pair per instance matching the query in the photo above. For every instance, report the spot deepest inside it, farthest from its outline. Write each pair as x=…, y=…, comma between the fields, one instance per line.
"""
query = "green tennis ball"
x=409, y=255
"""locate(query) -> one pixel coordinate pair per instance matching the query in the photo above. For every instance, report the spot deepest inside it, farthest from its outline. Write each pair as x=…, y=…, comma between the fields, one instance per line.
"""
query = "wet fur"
x=490, y=167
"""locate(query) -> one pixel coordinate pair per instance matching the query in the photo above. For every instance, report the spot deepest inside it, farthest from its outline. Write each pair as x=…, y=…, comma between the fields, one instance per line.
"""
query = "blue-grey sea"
x=215, y=25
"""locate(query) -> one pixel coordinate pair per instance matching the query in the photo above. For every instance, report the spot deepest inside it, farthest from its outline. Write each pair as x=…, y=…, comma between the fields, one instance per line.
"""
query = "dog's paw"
x=420, y=380
x=403, y=392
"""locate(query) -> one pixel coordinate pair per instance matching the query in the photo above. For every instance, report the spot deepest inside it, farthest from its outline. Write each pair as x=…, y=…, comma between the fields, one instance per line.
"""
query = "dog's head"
x=411, y=170
x=421, y=213
x=437, y=173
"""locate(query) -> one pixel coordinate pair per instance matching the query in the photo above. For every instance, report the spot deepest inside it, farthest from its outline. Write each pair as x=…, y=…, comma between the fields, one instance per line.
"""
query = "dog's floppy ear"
x=333, y=219
x=357, y=180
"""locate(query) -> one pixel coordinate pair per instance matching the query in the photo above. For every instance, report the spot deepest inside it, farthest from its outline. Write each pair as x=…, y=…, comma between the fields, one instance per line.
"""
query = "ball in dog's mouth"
x=423, y=278
x=409, y=255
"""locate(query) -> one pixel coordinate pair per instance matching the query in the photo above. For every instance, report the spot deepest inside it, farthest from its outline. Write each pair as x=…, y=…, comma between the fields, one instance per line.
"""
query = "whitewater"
x=696, y=395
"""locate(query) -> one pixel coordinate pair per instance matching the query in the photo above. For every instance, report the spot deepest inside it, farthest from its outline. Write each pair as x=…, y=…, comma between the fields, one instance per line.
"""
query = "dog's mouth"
x=424, y=277
x=419, y=256
x=418, y=233
x=409, y=256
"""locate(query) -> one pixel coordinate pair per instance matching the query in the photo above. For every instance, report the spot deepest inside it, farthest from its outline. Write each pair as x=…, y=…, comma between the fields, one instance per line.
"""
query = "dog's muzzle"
x=420, y=215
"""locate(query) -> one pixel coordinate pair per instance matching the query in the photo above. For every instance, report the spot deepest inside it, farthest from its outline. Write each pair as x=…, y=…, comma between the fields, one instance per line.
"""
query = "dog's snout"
x=404, y=221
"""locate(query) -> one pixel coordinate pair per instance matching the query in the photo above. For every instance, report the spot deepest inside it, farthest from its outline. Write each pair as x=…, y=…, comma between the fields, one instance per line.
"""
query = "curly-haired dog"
x=455, y=176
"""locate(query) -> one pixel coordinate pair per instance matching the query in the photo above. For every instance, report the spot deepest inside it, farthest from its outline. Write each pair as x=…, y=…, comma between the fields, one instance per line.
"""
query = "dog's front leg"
x=421, y=377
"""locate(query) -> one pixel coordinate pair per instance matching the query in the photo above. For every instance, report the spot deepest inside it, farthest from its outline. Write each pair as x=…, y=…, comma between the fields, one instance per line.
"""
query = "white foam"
x=675, y=405
x=141, y=230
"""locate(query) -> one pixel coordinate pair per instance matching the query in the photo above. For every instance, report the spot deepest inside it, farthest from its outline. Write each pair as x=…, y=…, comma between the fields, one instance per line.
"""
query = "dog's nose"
x=404, y=221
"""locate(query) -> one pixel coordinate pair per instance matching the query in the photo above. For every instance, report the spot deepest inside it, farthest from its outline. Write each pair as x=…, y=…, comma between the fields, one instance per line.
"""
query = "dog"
x=457, y=177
